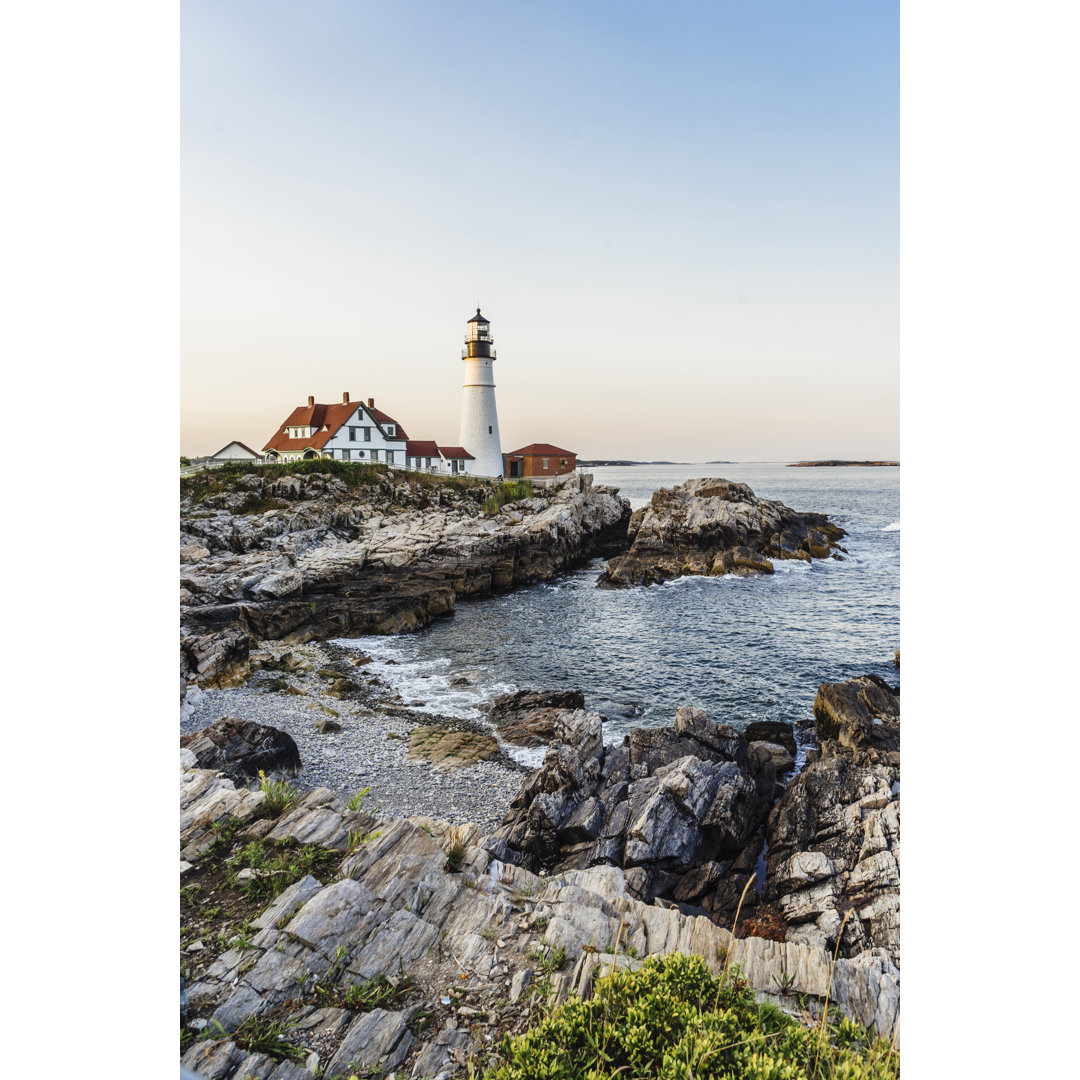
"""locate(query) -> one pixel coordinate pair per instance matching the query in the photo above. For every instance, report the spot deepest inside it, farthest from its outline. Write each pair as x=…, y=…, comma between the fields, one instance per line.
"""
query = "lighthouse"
x=479, y=421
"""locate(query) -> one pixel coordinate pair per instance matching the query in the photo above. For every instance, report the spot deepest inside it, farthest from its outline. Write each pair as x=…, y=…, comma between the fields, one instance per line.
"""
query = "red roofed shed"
x=540, y=459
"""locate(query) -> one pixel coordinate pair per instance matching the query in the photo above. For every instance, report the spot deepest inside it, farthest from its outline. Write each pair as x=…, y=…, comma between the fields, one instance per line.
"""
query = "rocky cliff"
x=716, y=527
x=308, y=556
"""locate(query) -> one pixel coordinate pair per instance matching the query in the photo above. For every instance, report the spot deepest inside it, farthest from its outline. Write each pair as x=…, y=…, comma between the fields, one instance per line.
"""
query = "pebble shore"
x=370, y=750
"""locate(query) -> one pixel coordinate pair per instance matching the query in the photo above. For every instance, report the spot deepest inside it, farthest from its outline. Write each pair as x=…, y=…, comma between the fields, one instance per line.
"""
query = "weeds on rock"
x=357, y=801
x=361, y=997
x=455, y=849
x=259, y=1036
x=280, y=795
x=275, y=872
x=358, y=837
x=507, y=493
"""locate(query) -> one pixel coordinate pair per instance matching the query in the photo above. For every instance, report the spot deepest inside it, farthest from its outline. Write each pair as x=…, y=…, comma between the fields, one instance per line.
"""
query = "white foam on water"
x=426, y=681
x=894, y=527
x=532, y=757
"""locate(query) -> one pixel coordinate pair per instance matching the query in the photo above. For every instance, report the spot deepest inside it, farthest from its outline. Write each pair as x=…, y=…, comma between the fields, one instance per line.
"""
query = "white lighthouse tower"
x=479, y=421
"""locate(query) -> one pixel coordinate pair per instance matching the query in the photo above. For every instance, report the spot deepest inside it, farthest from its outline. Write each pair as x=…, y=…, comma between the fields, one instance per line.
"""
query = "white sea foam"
x=894, y=527
x=425, y=683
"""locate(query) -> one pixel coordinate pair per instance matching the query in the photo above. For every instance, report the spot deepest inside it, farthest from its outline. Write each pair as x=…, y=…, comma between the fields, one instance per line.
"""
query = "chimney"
x=371, y=403
x=310, y=401
x=345, y=398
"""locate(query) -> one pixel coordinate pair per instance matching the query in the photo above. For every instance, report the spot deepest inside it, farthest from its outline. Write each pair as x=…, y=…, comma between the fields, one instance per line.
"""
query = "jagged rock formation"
x=681, y=809
x=242, y=749
x=531, y=717
x=325, y=560
x=472, y=944
x=716, y=527
x=834, y=836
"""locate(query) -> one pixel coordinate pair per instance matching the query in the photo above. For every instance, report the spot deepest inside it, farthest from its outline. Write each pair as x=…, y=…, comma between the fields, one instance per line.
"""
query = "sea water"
x=741, y=649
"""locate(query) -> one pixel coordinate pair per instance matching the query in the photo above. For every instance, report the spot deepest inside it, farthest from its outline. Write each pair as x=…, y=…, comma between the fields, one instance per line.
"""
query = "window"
x=359, y=453
x=389, y=457
x=544, y=463
x=391, y=429
x=367, y=434
x=352, y=434
x=346, y=455
x=489, y=429
x=427, y=462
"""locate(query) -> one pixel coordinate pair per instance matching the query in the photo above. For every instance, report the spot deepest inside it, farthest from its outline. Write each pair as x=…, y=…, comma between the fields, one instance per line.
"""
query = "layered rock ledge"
x=715, y=527
x=305, y=557
x=459, y=943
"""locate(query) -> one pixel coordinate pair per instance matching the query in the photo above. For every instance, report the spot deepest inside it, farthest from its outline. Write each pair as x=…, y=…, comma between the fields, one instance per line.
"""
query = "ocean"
x=741, y=649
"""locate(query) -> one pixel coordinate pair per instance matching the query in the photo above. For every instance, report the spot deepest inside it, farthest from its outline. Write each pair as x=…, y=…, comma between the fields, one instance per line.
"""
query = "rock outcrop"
x=305, y=557
x=715, y=527
x=834, y=836
x=241, y=749
x=531, y=717
x=680, y=809
x=453, y=947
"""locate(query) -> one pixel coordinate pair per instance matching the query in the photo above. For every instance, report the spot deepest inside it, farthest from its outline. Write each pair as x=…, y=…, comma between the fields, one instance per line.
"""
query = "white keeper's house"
x=355, y=431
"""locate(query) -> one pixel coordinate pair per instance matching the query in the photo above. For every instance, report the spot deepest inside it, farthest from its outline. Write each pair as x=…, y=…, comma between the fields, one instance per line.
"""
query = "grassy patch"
x=673, y=1019
x=280, y=795
x=261, y=1036
x=508, y=492
x=278, y=865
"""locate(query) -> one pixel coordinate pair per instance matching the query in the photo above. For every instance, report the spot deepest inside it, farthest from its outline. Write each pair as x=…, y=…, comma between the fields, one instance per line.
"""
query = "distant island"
x=835, y=461
x=595, y=464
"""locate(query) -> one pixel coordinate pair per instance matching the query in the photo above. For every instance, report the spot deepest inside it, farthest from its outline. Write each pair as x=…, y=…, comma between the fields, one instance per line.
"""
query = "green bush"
x=672, y=1019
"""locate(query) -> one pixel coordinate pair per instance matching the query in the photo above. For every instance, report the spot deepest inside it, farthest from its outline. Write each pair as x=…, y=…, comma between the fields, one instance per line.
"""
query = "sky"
x=682, y=220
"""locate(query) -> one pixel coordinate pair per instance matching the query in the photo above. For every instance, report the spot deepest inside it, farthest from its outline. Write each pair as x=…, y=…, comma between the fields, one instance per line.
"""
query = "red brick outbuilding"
x=540, y=459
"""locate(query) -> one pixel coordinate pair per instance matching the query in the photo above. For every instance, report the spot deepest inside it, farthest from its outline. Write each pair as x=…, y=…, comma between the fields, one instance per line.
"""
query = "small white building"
x=236, y=451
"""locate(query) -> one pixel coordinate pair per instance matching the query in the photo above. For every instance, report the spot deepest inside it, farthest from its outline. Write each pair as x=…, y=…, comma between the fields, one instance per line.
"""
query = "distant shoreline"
x=612, y=463
x=815, y=464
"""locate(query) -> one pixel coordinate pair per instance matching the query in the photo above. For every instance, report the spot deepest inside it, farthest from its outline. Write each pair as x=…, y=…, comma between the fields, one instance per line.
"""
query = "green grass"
x=281, y=865
x=374, y=994
x=259, y=1036
x=280, y=795
x=508, y=492
x=674, y=1020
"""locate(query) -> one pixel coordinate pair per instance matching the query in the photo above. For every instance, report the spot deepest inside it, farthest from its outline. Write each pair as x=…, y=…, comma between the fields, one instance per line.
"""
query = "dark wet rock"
x=662, y=805
x=240, y=749
x=772, y=731
x=716, y=527
x=834, y=836
x=531, y=717
x=859, y=719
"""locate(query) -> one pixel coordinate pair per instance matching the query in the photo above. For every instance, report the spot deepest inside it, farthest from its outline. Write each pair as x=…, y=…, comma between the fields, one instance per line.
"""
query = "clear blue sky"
x=682, y=220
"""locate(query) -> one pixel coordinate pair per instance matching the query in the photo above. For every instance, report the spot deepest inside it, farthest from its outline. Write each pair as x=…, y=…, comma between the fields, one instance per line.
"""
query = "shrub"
x=672, y=1019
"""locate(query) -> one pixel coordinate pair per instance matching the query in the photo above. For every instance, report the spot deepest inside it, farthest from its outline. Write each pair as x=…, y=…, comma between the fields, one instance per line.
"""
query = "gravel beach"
x=371, y=749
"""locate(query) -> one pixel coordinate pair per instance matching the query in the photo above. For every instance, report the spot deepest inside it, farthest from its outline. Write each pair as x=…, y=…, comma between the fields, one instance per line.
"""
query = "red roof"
x=541, y=448
x=456, y=452
x=421, y=448
x=320, y=416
